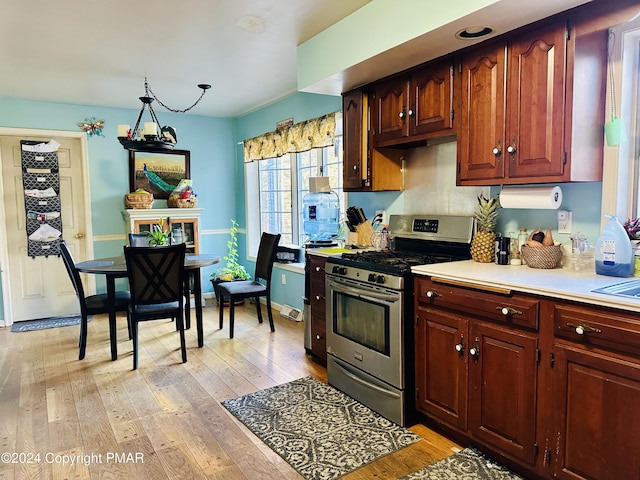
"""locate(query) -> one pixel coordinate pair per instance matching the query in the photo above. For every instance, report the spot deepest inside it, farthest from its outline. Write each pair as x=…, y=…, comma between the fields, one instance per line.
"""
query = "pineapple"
x=483, y=243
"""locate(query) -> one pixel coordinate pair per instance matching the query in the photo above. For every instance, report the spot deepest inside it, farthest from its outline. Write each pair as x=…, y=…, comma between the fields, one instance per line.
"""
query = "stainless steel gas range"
x=370, y=310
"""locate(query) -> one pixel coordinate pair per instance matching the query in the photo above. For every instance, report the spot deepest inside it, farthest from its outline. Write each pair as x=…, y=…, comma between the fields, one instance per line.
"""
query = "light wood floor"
x=166, y=416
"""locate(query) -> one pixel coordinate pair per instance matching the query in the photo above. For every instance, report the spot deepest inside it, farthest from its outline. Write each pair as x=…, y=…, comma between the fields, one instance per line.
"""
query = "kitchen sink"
x=625, y=289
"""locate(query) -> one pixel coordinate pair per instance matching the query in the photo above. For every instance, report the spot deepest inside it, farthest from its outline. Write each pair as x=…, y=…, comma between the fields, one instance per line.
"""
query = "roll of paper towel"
x=531, y=197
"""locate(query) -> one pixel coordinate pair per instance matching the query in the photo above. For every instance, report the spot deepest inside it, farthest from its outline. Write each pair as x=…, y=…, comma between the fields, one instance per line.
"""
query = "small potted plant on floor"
x=232, y=270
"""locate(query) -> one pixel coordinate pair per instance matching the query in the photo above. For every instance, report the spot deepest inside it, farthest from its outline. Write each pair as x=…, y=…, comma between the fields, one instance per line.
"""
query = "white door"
x=39, y=287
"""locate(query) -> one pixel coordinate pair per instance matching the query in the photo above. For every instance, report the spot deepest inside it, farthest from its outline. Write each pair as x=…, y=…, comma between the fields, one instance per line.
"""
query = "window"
x=276, y=188
x=621, y=176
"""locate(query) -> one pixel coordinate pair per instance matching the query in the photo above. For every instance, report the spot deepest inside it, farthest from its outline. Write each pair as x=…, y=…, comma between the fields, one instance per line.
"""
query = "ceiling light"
x=152, y=136
x=252, y=24
x=471, y=33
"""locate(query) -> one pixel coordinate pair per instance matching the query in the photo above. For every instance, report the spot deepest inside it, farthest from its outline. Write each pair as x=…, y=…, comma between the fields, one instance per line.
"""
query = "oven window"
x=361, y=321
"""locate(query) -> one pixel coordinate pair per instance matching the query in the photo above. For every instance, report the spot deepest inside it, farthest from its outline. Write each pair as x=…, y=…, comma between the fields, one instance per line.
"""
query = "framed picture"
x=158, y=172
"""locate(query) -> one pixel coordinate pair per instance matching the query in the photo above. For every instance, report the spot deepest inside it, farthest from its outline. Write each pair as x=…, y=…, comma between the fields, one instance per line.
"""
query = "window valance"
x=303, y=136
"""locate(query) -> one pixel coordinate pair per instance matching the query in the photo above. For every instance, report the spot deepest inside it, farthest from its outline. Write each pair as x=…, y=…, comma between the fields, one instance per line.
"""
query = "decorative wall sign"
x=41, y=182
x=158, y=172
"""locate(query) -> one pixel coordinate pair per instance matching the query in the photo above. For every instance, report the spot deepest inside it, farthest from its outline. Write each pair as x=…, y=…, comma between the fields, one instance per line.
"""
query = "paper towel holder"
x=547, y=197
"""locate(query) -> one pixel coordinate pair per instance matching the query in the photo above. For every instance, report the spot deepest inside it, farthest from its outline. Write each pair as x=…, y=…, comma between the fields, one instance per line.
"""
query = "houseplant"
x=158, y=236
x=232, y=269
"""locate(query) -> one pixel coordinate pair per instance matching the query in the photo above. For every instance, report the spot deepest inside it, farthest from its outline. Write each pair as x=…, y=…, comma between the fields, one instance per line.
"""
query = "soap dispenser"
x=614, y=255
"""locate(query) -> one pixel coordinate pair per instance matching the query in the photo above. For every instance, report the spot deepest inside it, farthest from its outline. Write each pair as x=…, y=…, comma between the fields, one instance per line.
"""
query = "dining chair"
x=156, y=281
x=138, y=240
x=260, y=286
x=91, y=304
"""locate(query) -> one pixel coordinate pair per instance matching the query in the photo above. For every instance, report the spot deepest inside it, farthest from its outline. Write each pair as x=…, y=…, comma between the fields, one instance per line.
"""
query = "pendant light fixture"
x=152, y=136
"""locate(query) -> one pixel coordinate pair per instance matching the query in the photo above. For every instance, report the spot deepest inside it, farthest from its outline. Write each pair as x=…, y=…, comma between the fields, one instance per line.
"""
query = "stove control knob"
x=342, y=270
x=380, y=279
x=371, y=277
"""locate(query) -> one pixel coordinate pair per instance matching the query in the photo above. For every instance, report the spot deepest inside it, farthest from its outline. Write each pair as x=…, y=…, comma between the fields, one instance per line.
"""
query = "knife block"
x=365, y=233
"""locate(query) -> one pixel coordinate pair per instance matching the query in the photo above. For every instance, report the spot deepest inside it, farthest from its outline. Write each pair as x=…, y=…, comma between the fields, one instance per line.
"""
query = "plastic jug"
x=321, y=215
x=614, y=255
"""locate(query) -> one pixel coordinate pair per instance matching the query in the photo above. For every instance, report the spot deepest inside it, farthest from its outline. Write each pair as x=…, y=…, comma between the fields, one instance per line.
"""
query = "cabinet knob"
x=401, y=114
x=475, y=351
x=511, y=149
x=431, y=294
x=355, y=167
x=497, y=151
x=583, y=328
x=410, y=112
x=318, y=337
x=506, y=311
x=79, y=235
x=318, y=269
x=460, y=346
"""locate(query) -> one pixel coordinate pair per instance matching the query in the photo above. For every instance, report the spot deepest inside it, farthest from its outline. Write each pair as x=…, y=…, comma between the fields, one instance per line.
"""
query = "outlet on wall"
x=383, y=213
x=564, y=221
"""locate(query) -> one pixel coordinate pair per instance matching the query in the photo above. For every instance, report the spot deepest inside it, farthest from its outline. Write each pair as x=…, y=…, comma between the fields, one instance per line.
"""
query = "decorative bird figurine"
x=156, y=181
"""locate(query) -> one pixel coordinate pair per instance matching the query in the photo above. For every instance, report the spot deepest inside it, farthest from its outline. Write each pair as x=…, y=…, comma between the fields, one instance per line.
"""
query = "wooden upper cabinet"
x=391, y=104
x=431, y=100
x=354, y=110
x=525, y=108
x=414, y=106
x=481, y=145
x=536, y=85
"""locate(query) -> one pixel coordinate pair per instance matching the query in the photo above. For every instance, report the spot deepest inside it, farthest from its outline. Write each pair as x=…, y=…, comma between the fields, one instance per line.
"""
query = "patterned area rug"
x=43, y=323
x=469, y=464
x=318, y=430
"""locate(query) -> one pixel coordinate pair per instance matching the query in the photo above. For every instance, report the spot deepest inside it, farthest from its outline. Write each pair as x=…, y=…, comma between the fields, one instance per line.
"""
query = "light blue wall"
x=300, y=106
x=210, y=140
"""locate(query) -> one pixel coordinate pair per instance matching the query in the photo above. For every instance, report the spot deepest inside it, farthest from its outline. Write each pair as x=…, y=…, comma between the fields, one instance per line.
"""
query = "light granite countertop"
x=555, y=283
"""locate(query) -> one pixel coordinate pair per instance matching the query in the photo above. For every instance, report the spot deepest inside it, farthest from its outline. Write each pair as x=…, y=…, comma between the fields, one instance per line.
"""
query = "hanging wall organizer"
x=41, y=182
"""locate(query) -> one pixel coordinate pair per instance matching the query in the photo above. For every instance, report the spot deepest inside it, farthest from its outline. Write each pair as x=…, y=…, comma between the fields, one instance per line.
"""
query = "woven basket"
x=180, y=203
x=138, y=200
x=542, y=257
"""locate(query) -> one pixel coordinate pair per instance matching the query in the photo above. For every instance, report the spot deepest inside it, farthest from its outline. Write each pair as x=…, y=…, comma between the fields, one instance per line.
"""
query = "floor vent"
x=287, y=311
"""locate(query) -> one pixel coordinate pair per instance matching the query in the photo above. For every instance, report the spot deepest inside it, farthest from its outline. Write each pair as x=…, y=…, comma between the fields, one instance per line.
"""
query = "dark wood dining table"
x=116, y=267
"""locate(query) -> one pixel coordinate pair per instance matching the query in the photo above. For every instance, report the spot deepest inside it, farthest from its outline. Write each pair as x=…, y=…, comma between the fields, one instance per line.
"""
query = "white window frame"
x=252, y=198
x=621, y=169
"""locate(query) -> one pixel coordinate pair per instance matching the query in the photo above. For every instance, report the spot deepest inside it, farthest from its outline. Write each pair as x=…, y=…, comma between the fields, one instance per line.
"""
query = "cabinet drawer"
x=599, y=327
x=508, y=308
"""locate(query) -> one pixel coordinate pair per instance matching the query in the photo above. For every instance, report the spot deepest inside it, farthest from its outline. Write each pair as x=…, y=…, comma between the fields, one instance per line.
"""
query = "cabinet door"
x=390, y=111
x=536, y=103
x=598, y=398
x=441, y=366
x=502, y=388
x=354, y=111
x=431, y=100
x=189, y=230
x=481, y=144
x=317, y=302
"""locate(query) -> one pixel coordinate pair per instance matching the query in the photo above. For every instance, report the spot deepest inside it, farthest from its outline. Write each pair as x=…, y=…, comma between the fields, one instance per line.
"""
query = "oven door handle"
x=366, y=295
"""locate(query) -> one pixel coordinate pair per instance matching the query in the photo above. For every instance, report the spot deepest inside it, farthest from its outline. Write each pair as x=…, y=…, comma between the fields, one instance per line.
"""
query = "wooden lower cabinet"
x=597, y=393
x=479, y=378
x=552, y=388
x=317, y=302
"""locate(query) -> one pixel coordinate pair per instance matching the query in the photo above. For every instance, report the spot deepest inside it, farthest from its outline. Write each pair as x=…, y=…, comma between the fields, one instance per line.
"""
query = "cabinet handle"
x=475, y=351
x=511, y=149
x=506, y=311
x=460, y=346
x=432, y=294
x=583, y=328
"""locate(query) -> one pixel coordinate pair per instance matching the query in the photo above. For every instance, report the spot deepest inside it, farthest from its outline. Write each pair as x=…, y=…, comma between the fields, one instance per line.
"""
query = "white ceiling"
x=92, y=52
